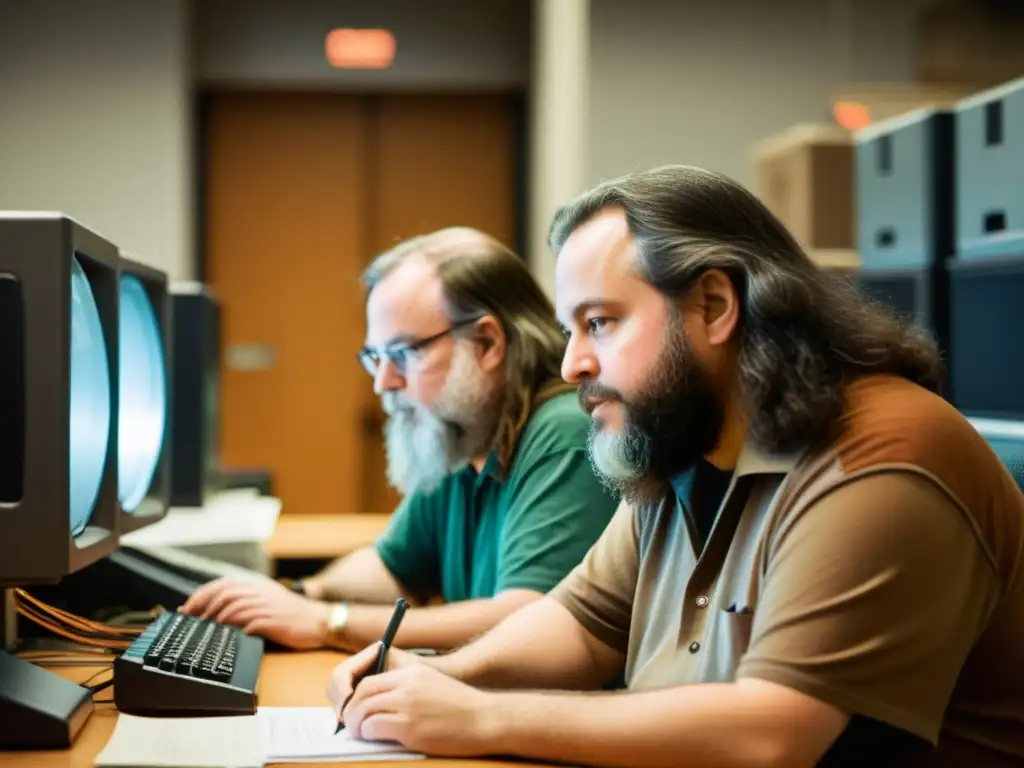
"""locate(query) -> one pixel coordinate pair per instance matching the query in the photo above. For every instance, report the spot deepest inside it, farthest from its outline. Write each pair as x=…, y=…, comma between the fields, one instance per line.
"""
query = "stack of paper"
x=193, y=742
x=274, y=735
x=225, y=521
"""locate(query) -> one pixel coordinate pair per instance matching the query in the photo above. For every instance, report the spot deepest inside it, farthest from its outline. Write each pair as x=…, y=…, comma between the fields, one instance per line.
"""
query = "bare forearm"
x=359, y=577
x=540, y=647
x=439, y=627
x=719, y=725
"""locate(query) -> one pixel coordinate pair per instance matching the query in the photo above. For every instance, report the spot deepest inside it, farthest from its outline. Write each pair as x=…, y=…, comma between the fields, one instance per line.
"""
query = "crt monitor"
x=1006, y=437
x=144, y=393
x=58, y=461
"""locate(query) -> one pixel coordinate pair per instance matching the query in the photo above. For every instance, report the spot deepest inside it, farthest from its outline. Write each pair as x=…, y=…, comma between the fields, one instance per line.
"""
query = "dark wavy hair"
x=804, y=333
x=480, y=276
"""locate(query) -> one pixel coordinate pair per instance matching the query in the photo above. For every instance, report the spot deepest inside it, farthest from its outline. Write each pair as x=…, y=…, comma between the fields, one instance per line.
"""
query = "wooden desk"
x=286, y=680
x=313, y=537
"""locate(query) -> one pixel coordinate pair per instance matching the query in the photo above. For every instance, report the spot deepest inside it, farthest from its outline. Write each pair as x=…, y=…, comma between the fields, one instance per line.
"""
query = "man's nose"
x=579, y=362
x=388, y=378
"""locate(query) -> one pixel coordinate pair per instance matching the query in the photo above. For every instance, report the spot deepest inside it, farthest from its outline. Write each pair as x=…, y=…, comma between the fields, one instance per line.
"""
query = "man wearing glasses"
x=486, y=442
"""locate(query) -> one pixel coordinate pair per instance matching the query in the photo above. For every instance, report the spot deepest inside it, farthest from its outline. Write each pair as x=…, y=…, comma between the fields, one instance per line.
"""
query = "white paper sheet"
x=195, y=742
x=227, y=520
x=306, y=735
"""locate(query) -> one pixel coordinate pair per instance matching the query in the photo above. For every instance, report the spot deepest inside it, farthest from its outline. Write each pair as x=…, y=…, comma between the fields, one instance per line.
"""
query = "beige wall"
x=95, y=95
x=94, y=119
x=440, y=44
x=688, y=81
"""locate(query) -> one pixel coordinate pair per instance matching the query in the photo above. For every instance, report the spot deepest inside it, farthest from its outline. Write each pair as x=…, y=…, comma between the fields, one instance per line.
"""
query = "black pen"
x=383, y=646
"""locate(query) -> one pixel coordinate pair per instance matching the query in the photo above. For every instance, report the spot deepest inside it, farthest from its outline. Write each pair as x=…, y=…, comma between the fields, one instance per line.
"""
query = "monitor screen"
x=1007, y=440
x=90, y=400
x=142, y=394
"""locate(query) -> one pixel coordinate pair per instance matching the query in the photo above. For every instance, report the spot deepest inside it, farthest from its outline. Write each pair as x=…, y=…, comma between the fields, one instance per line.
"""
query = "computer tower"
x=195, y=409
x=986, y=324
x=990, y=173
x=905, y=191
x=920, y=294
x=906, y=232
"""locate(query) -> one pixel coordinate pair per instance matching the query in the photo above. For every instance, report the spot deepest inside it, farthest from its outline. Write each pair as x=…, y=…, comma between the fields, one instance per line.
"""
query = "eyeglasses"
x=400, y=354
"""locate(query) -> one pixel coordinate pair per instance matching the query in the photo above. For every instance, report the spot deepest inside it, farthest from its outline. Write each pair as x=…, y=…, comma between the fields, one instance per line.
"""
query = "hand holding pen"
x=383, y=648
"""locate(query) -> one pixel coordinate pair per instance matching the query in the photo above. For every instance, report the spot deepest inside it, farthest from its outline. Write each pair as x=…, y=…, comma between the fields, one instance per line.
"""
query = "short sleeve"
x=599, y=592
x=872, y=600
x=557, y=510
x=410, y=545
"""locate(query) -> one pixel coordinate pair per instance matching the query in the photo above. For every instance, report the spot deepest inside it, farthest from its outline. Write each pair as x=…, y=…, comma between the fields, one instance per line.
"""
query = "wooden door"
x=285, y=244
x=301, y=191
x=437, y=161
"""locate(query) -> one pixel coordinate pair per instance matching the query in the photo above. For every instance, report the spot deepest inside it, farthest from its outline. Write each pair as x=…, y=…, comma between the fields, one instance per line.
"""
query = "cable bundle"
x=80, y=630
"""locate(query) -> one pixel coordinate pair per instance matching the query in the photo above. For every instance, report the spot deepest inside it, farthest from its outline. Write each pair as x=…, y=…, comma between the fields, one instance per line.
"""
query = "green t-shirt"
x=475, y=536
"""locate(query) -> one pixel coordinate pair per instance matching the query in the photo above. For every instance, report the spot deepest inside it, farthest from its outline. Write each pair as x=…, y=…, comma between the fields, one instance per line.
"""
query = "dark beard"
x=668, y=427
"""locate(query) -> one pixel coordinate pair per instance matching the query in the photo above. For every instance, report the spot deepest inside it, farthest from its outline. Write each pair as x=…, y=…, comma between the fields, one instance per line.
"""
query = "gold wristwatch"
x=337, y=617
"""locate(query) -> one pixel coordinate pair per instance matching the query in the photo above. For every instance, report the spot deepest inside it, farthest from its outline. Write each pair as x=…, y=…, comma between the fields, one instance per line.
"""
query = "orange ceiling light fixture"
x=360, y=48
x=851, y=115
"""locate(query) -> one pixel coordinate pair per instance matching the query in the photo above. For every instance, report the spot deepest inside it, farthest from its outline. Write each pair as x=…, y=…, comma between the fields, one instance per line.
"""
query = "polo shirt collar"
x=754, y=461
x=492, y=469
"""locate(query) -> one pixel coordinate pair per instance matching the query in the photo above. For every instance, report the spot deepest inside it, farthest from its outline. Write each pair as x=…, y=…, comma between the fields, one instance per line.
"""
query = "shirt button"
x=694, y=646
x=702, y=602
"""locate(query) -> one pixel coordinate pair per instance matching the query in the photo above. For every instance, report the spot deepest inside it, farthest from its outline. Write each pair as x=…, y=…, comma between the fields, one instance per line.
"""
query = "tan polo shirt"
x=883, y=574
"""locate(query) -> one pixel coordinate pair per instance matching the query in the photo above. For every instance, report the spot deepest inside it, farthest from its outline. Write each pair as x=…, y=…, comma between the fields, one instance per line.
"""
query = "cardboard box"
x=805, y=177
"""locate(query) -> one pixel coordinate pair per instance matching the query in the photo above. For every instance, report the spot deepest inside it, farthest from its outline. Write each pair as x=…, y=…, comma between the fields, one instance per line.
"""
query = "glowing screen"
x=143, y=395
x=90, y=400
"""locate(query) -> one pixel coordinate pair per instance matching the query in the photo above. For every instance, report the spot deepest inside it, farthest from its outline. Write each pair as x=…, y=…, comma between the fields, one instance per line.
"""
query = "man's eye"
x=399, y=355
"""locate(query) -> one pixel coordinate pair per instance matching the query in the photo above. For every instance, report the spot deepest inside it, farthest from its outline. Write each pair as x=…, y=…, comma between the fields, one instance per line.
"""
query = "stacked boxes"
x=905, y=202
x=805, y=177
x=987, y=276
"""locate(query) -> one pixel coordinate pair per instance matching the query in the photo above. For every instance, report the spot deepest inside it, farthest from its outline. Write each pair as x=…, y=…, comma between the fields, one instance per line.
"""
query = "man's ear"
x=721, y=306
x=490, y=338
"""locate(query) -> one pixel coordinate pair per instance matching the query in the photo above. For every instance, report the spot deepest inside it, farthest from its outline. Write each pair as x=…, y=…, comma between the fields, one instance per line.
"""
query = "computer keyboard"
x=182, y=666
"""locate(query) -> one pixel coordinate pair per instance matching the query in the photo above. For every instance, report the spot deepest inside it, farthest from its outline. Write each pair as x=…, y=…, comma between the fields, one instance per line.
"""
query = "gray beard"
x=622, y=463
x=422, y=450
x=424, y=447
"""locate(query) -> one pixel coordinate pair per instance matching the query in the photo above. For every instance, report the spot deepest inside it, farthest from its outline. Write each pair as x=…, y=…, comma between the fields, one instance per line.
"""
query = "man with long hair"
x=817, y=560
x=485, y=441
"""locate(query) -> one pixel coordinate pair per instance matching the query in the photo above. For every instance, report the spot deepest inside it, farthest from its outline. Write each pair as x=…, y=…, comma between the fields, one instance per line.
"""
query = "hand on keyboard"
x=270, y=610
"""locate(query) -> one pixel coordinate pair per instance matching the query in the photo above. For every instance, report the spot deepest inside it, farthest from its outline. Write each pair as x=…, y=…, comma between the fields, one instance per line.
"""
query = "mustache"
x=392, y=403
x=591, y=394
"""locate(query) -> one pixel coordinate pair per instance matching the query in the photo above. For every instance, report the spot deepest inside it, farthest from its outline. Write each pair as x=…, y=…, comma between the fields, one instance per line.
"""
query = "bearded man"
x=485, y=441
x=818, y=560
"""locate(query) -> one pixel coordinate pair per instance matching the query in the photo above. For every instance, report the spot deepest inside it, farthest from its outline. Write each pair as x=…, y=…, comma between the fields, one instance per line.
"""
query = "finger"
x=341, y=683
x=357, y=712
x=258, y=625
x=225, y=597
x=375, y=685
x=198, y=600
x=385, y=727
x=244, y=618
x=233, y=611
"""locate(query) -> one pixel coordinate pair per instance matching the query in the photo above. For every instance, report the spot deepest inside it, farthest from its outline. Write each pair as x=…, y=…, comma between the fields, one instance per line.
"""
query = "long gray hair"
x=804, y=333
